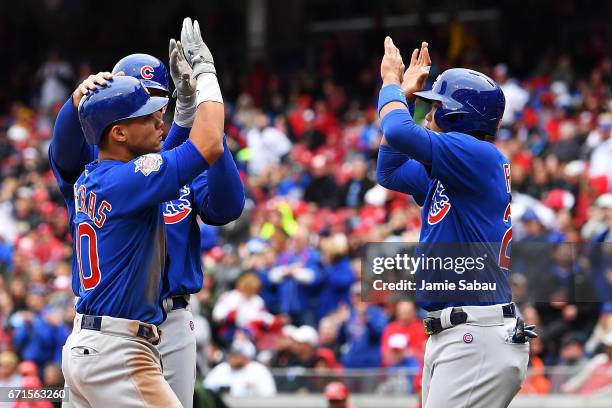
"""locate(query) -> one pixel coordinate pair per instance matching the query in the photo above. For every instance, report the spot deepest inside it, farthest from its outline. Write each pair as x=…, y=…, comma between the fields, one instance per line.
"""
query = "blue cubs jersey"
x=68, y=153
x=464, y=191
x=119, y=232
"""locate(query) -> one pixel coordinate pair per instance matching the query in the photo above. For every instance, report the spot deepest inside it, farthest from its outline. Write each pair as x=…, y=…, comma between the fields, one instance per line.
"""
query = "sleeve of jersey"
x=154, y=178
x=397, y=172
x=406, y=136
x=219, y=193
x=461, y=161
x=68, y=151
x=176, y=137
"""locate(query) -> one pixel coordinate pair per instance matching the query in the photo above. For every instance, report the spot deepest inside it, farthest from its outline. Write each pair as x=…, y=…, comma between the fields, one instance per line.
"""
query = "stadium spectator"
x=361, y=332
x=403, y=366
x=242, y=308
x=9, y=377
x=596, y=375
x=407, y=324
x=240, y=375
x=571, y=359
x=337, y=394
x=338, y=275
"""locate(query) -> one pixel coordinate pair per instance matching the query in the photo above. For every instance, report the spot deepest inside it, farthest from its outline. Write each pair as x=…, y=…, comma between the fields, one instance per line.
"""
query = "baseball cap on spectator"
x=397, y=341
x=574, y=168
x=326, y=355
x=336, y=391
x=244, y=348
x=256, y=246
x=604, y=201
x=559, y=199
x=306, y=334
x=529, y=215
x=288, y=330
x=606, y=307
x=572, y=338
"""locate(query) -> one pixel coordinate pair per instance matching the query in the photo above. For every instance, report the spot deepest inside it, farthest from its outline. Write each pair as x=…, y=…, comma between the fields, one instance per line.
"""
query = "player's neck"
x=115, y=153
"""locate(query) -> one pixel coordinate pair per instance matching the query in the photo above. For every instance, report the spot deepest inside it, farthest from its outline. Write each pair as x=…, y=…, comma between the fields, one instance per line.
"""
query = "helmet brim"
x=154, y=85
x=154, y=104
x=431, y=96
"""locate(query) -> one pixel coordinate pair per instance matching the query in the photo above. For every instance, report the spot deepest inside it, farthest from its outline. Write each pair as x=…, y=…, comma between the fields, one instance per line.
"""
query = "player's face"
x=430, y=118
x=145, y=134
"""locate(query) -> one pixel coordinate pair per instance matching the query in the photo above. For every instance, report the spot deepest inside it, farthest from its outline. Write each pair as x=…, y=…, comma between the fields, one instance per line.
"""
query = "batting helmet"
x=151, y=71
x=471, y=102
x=124, y=97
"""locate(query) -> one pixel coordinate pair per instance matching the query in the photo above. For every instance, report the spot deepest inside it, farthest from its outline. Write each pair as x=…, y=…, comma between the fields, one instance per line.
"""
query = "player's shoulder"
x=473, y=145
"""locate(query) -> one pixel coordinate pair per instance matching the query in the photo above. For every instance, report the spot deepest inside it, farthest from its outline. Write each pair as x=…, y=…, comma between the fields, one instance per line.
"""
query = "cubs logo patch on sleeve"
x=148, y=163
x=177, y=210
x=440, y=205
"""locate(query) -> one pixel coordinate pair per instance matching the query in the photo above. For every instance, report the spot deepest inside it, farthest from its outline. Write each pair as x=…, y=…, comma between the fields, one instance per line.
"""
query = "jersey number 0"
x=87, y=249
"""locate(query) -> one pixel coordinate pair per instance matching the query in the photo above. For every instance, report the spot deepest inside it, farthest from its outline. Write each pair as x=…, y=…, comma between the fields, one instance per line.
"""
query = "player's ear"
x=117, y=132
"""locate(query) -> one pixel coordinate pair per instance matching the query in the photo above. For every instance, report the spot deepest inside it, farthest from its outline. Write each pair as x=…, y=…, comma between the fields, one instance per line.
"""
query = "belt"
x=175, y=302
x=433, y=325
x=179, y=302
x=145, y=331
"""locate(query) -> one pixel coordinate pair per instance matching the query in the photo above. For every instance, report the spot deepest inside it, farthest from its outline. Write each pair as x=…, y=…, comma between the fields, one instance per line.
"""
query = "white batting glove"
x=184, y=84
x=196, y=52
x=199, y=57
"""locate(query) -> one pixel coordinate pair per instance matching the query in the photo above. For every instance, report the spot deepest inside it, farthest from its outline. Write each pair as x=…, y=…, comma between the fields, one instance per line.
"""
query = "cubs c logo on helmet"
x=440, y=205
x=146, y=72
x=177, y=210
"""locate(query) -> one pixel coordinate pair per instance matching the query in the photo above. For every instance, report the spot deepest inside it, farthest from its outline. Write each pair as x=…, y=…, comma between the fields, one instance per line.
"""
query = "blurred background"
x=300, y=79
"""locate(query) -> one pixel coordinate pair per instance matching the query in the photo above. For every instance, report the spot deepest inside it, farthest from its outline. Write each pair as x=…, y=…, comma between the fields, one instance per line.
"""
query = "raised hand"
x=180, y=70
x=196, y=52
x=391, y=66
x=416, y=75
x=90, y=84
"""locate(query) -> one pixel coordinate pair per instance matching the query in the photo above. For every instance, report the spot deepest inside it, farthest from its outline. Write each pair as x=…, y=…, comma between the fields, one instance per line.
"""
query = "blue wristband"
x=391, y=93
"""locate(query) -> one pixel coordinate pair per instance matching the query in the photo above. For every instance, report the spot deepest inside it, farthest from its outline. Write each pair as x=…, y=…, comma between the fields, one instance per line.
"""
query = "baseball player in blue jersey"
x=120, y=263
x=477, y=352
x=216, y=195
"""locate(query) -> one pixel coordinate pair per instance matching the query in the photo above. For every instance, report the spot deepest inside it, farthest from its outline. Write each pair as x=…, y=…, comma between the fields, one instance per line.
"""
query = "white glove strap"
x=208, y=89
x=184, y=111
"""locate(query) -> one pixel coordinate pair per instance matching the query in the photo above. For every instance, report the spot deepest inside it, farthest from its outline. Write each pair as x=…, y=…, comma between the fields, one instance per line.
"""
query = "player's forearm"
x=226, y=193
x=388, y=167
x=406, y=136
x=68, y=148
x=176, y=136
x=207, y=131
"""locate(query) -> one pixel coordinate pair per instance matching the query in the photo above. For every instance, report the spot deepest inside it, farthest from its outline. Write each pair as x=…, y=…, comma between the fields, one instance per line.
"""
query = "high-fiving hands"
x=414, y=78
x=195, y=50
x=392, y=66
x=180, y=70
x=416, y=75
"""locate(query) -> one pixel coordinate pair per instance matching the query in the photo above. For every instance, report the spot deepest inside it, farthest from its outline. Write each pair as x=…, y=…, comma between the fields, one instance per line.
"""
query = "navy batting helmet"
x=151, y=71
x=471, y=102
x=122, y=98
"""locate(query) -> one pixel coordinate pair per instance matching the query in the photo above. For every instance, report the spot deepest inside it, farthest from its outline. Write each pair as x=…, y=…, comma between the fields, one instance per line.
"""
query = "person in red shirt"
x=406, y=323
x=337, y=395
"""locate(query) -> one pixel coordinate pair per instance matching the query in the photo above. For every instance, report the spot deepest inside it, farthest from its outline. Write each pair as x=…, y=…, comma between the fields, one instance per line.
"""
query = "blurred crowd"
x=281, y=307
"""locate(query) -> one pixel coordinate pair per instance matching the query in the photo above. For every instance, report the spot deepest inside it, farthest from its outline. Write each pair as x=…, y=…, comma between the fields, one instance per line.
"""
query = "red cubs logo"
x=440, y=205
x=177, y=210
x=146, y=72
